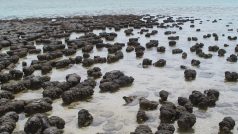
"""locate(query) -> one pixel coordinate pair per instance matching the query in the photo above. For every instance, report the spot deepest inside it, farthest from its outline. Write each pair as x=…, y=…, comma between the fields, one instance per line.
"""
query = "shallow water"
x=49, y=8
x=110, y=114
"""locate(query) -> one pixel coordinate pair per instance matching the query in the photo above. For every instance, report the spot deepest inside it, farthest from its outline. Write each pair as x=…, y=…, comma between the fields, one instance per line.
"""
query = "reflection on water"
x=108, y=109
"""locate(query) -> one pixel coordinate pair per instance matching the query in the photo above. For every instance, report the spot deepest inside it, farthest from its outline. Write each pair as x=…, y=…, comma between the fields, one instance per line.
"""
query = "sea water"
x=48, y=8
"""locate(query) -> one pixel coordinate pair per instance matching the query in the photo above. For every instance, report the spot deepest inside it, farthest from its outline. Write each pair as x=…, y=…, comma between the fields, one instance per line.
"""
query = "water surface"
x=49, y=8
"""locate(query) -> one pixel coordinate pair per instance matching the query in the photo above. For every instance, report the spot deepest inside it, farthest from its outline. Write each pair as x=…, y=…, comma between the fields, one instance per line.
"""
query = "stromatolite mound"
x=113, y=80
x=226, y=125
x=40, y=123
x=84, y=118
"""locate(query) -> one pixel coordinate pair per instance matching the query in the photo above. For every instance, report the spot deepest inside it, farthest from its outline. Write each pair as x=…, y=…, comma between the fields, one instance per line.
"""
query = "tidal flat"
x=92, y=74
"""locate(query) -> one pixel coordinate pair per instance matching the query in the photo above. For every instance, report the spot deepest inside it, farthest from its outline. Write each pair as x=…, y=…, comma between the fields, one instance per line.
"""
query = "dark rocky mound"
x=40, y=123
x=190, y=74
x=84, y=118
x=147, y=104
x=160, y=63
x=208, y=99
x=94, y=72
x=165, y=128
x=231, y=76
x=8, y=122
x=186, y=121
x=113, y=80
x=141, y=117
x=142, y=129
x=226, y=125
x=81, y=91
x=38, y=106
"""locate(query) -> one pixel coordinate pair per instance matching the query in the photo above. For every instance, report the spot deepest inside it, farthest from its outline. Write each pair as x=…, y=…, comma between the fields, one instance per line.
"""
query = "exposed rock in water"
x=84, y=118
x=226, y=125
x=165, y=128
x=81, y=91
x=147, y=104
x=141, y=117
x=129, y=99
x=94, y=72
x=163, y=95
x=142, y=129
x=186, y=121
x=40, y=123
x=160, y=63
x=231, y=76
x=38, y=106
x=113, y=80
x=168, y=112
x=190, y=74
x=8, y=122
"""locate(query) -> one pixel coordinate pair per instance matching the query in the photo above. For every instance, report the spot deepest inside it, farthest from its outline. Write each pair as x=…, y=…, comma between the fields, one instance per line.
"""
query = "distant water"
x=50, y=8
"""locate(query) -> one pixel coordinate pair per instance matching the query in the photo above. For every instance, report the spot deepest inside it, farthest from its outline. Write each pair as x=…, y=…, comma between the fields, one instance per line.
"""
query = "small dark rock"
x=163, y=95
x=190, y=74
x=186, y=121
x=160, y=63
x=141, y=116
x=231, y=76
x=84, y=118
x=147, y=104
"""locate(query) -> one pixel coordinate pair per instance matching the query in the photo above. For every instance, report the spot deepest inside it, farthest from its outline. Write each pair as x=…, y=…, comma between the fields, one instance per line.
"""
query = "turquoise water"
x=49, y=8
